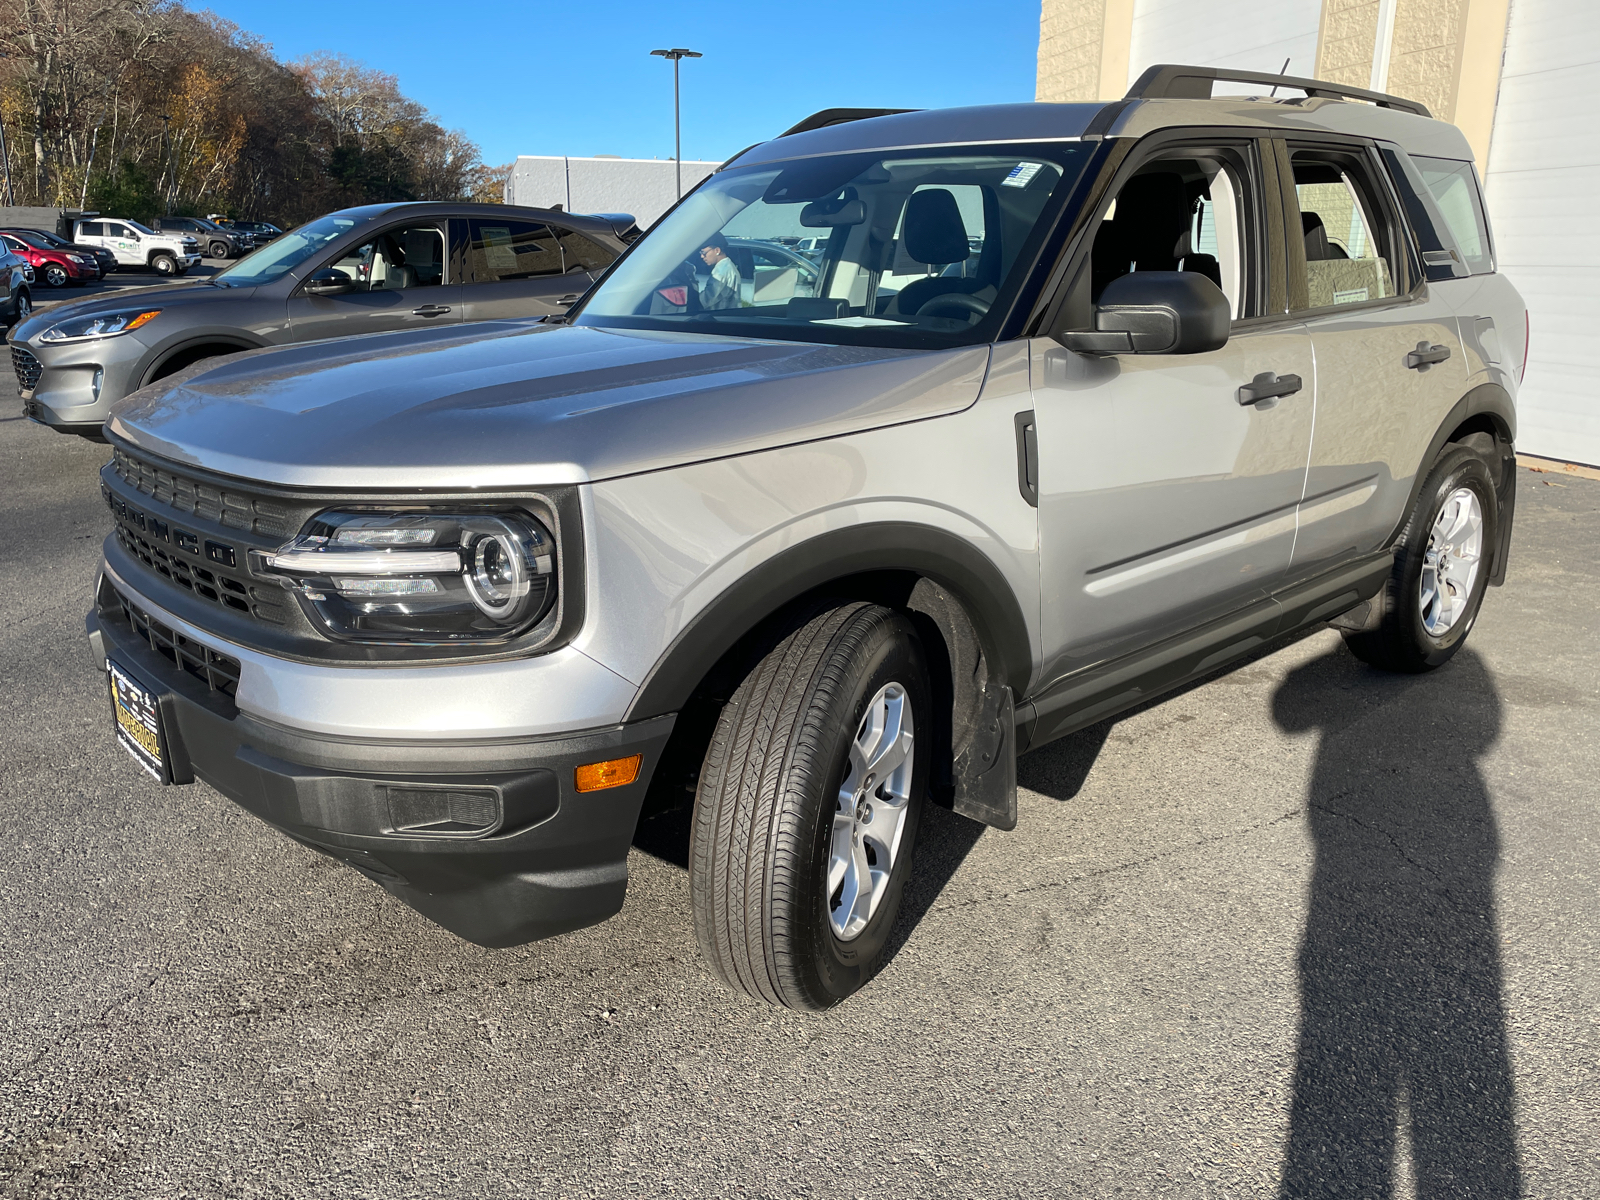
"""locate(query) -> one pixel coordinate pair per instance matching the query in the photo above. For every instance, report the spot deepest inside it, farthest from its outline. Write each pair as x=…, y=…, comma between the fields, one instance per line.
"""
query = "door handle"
x=1425, y=355
x=430, y=310
x=567, y=301
x=1268, y=386
x=1027, y=457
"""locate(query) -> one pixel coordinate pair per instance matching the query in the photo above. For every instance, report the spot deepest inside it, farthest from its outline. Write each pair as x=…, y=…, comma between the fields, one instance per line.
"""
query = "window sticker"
x=1022, y=174
x=1353, y=296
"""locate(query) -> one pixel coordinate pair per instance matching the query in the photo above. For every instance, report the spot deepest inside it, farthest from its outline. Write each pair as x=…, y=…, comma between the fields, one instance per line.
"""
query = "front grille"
x=264, y=604
x=27, y=367
x=234, y=509
x=217, y=671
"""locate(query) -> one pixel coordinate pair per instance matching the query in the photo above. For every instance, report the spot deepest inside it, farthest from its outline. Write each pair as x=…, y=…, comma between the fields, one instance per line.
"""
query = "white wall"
x=1245, y=34
x=644, y=187
x=1542, y=183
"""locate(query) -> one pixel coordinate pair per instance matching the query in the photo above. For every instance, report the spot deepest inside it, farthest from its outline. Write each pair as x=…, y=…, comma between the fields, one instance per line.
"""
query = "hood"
x=518, y=405
x=157, y=295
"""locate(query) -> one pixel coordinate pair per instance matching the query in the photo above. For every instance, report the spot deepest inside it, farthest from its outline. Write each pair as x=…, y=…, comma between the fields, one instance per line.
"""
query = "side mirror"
x=1155, y=312
x=329, y=281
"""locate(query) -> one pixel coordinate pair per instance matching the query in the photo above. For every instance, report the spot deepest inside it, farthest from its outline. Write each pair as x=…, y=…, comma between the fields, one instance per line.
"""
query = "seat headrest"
x=1152, y=215
x=934, y=232
x=1317, y=248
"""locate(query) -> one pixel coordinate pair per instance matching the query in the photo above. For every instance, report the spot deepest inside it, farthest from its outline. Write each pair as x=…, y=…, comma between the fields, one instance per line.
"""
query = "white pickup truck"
x=135, y=245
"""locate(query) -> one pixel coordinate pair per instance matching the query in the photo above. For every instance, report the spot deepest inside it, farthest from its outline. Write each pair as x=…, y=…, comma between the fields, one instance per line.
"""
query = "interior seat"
x=1318, y=247
x=933, y=233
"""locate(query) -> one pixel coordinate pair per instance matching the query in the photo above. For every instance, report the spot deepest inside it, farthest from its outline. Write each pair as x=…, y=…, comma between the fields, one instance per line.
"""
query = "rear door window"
x=579, y=253
x=1455, y=190
x=503, y=250
x=1348, y=238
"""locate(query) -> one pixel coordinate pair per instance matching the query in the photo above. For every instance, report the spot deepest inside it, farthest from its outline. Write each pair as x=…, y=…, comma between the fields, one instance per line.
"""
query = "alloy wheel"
x=1451, y=562
x=871, y=815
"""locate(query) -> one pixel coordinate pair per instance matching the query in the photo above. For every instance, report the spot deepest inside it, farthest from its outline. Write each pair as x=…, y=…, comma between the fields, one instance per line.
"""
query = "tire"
x=24, y=305
x=56, y=276
x=781, y=832
x=163, y=263
x=1427, y=613
x=219, y=250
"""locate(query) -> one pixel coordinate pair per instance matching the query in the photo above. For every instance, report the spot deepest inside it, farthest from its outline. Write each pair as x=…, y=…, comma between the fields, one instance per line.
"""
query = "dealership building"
x=1521, y=79
x=643, y=187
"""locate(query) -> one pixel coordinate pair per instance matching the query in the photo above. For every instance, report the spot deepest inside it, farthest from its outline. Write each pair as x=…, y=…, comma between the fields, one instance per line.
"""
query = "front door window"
x=397, y=260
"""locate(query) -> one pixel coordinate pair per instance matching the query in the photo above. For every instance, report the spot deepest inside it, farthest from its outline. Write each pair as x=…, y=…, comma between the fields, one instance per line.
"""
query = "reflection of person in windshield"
x=722, y=289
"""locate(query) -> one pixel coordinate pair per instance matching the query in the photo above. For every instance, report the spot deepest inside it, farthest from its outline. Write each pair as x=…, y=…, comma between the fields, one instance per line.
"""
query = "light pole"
x=677, y=125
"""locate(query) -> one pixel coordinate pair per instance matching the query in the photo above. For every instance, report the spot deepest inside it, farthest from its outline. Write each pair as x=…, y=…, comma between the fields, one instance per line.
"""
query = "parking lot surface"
x=1261, y=938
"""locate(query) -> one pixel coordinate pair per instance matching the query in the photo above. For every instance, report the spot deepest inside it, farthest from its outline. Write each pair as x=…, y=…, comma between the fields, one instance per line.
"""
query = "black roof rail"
x=1166, y=81
x=839, y=116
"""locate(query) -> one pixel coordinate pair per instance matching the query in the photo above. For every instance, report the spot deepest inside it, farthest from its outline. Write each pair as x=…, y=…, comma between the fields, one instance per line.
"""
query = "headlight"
x=100, y=325
x=420, y=576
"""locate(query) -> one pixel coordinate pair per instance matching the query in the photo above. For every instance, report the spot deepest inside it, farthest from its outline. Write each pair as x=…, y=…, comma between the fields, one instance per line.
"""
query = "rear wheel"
x=1441, y=568
x=163, y=263
x=807, y=810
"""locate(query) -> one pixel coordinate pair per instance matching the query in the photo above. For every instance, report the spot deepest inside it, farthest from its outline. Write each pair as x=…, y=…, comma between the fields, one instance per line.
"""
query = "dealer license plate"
x=138, y=720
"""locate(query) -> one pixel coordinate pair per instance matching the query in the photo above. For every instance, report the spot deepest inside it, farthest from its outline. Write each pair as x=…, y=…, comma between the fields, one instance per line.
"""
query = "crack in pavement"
x=1131, y=865
x=98, y=1023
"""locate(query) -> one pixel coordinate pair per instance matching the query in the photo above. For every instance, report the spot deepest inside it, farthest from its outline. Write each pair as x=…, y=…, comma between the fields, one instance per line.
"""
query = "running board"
x=1101, y=691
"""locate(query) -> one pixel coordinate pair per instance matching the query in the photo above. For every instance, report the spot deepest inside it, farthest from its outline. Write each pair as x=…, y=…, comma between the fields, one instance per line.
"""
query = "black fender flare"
x=1490, y=402
x=890, y=546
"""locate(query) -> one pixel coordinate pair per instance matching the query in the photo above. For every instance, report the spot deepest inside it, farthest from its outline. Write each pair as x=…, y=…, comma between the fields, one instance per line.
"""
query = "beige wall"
x=1083, y=50
x=1445, y=53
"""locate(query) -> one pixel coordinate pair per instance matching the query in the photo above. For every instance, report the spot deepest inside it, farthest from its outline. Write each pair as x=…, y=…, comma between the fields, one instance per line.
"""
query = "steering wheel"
x=961, y=304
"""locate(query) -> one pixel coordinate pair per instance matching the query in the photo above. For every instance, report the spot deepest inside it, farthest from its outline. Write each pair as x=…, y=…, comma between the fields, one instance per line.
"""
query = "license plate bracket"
x=136, y=718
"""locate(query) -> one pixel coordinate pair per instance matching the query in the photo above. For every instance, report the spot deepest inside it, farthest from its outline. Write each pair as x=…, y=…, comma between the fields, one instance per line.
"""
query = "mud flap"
x=986, y=767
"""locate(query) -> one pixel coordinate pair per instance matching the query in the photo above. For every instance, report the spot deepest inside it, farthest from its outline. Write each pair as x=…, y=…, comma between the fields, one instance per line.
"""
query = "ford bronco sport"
x=458, y=606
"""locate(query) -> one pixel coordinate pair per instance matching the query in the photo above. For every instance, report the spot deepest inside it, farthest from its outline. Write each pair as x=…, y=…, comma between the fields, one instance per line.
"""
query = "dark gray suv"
x=377, y=269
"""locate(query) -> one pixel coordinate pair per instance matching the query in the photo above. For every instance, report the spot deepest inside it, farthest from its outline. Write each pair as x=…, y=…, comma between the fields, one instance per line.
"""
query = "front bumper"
x=537, y=858
x=64, y=396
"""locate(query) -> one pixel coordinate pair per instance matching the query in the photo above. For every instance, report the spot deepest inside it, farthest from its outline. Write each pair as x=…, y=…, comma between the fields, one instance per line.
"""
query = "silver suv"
x=1081, y=403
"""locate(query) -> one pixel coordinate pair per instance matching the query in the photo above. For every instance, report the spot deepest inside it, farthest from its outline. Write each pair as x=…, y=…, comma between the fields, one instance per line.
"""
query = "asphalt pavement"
x=1269, y=936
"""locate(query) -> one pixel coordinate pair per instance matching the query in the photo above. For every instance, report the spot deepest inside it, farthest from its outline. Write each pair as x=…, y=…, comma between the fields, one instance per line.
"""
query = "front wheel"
x=56, y=276
x=164, y=264
x=1441, y=569
x=806, y=814
x=24, y=305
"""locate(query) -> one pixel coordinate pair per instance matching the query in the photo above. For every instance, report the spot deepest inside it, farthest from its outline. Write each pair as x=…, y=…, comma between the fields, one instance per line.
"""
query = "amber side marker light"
x=618, y=772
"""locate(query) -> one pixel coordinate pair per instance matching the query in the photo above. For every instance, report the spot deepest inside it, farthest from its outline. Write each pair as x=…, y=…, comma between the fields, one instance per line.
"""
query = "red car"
x=57, y=266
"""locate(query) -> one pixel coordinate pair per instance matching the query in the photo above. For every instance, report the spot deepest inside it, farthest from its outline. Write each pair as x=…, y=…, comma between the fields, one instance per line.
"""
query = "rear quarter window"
x=1455, y=190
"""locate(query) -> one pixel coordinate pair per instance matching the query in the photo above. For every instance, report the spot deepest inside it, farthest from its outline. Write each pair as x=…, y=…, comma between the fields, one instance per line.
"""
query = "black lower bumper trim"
x=489, y=838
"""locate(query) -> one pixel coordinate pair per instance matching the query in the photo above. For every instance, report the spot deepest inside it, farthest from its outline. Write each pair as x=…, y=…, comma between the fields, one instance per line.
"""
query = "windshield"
x=282, y=255
x=914, y=248
x=140, y=228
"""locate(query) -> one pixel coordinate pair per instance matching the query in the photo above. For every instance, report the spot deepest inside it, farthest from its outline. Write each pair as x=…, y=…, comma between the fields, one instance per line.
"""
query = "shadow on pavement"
x=1060, y=768
x=1402, y=1014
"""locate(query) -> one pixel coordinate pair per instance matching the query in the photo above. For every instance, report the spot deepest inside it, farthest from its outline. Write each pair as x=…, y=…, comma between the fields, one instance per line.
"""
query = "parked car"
x=59, y=267
x=363, y=270
x=16, y=294
x=136, y=245
x=213, y=239
x=814, y=563
x=104, y=258
x=262, y=231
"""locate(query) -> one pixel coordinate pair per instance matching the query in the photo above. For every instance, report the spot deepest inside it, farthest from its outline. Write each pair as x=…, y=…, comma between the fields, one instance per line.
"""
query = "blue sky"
x=578, y=79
